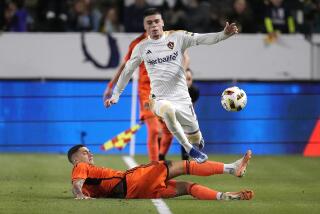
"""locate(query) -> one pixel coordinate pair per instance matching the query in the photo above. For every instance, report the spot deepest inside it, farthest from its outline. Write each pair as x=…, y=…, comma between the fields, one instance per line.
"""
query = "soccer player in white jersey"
x=162, y=53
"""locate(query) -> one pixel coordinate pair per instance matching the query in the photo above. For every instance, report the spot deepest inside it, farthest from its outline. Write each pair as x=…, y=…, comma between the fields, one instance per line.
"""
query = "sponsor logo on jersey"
x=170, y=45
x=148, y=52
x=168, y=58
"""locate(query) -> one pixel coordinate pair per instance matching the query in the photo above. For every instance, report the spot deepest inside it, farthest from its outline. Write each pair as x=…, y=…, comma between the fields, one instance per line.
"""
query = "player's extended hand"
x=231, y=29
x=107, y=93
x=109, y=102
x=83, y=197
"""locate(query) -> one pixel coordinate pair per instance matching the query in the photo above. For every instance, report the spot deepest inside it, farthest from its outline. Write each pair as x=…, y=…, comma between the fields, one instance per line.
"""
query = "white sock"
x=229, y=168
x=176, y=129
x=219, y=195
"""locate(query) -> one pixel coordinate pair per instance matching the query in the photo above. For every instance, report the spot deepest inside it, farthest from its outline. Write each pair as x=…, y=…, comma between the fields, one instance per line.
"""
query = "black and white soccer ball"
x=233, y=99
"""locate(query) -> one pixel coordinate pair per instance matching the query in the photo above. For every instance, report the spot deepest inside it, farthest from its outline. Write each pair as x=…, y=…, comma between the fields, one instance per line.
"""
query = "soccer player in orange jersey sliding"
x=154, y=180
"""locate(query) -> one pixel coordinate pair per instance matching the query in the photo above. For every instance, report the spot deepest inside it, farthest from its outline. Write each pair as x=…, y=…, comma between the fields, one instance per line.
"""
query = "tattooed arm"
x=77, y=189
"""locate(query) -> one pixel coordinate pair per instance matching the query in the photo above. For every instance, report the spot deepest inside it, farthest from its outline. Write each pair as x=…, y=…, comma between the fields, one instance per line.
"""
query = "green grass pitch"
x=40, y=183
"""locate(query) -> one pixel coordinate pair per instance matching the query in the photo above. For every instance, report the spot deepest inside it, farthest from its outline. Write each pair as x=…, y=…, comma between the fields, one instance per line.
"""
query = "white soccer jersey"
x=163, y=60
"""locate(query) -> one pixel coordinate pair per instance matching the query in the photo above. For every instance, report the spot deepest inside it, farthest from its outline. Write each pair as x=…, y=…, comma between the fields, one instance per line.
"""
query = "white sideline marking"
x=161, y=206
x=158, y=203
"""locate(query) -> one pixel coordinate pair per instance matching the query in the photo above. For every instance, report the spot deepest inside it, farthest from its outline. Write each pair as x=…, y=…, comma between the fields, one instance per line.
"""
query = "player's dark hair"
x=151, y=11
x=73, y=150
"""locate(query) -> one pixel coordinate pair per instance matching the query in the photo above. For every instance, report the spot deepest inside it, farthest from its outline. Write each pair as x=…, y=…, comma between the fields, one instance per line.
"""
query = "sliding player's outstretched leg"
x=178, y=188
x=209, y=168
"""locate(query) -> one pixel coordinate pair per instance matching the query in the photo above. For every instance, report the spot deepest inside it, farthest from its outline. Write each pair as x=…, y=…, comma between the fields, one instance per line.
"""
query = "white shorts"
x=184, y=113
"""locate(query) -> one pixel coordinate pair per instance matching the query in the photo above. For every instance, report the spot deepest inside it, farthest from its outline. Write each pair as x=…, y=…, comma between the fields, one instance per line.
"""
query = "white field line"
x=158, y=203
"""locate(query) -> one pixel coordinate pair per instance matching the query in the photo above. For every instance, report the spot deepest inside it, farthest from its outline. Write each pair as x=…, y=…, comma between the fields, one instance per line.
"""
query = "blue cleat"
x=198, y=156
x=200, y=146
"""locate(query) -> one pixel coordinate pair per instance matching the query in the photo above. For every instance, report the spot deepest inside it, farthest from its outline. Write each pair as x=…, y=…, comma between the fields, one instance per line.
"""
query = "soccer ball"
x=233, y=99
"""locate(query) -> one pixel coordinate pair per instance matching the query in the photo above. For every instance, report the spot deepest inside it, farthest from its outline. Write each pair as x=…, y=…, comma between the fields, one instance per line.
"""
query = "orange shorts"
x=147, y=181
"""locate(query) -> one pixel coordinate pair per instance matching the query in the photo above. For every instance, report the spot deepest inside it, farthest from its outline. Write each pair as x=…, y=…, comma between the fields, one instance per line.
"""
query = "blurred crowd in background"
x=252, y=16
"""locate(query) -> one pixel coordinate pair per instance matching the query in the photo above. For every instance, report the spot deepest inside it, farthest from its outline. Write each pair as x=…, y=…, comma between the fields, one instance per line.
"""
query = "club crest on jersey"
x=170, y=45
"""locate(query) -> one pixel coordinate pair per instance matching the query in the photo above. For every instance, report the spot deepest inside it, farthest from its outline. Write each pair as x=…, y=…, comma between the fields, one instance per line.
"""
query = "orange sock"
x=202, y=192
x=166, y=139
x=204, y=169
x=152, y=136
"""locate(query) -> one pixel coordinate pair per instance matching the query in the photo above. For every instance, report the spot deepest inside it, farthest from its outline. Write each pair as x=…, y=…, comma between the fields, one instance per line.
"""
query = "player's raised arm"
x=125, y=76
x=108, y=90
x=192, y=39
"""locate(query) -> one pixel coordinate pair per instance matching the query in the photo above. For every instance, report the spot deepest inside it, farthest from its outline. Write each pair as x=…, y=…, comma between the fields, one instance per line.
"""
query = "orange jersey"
x=144, y=81
x=99, y=181
x=147, y=181
x=144, y=181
